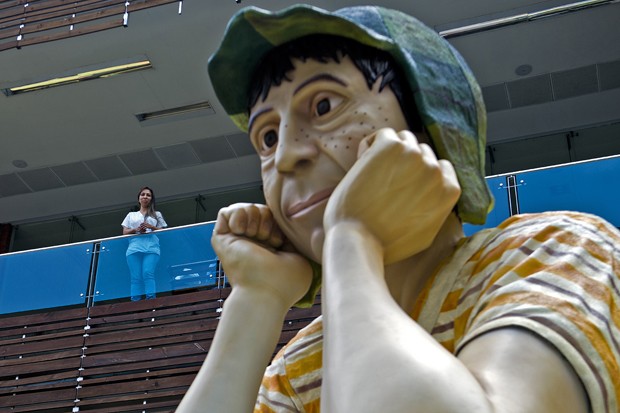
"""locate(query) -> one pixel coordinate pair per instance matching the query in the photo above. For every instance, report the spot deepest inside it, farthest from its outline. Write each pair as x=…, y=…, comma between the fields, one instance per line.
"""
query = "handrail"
x=91, y=241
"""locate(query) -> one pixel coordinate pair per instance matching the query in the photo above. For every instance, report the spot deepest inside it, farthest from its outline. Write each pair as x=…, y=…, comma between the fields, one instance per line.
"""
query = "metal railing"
x=93, y=272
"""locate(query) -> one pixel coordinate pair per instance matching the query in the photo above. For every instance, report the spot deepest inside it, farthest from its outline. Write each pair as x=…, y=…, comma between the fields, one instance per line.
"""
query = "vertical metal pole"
x=92, y=279
x=513, y=195
x=199, y=203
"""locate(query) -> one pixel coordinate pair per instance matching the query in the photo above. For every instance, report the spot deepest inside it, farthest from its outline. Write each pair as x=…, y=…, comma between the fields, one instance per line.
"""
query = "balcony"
x=72, y=341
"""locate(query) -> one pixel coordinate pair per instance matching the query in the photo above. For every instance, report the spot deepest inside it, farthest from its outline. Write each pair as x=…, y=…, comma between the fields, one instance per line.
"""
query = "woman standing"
x=143, y=251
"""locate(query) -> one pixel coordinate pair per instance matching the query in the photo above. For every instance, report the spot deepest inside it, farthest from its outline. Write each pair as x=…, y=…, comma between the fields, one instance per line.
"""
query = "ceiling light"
x=81, y=76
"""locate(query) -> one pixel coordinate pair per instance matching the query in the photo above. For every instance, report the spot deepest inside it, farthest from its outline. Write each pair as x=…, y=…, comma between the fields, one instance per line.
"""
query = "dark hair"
x=151, y=211
x=374, y=64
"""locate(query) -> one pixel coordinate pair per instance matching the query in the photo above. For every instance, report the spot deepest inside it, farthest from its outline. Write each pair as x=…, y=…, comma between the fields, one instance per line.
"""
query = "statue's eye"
x=270, y=138
x=323, y=107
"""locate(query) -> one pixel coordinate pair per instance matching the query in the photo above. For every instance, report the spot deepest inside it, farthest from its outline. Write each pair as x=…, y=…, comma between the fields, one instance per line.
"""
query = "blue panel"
x=112, y=273
x=500, y=211
x=184, y=248
x=586, y=187
x=47, y=278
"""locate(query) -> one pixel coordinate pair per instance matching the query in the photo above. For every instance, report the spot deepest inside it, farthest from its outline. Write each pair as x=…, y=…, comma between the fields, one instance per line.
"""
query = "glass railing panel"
x=186, y=260
x=39, y=279
x=585, y=187
x=500, y=212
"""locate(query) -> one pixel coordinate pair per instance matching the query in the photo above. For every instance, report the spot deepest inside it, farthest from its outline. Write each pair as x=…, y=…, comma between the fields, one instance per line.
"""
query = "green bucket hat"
x=445, y=91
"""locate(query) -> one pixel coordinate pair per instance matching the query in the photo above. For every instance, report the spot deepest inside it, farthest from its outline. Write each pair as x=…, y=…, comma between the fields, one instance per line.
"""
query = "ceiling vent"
x=177, y=156
x=575, y=82
x=75, y=173
x=41, y=179
x=10, y=185
x=175, y=114
x=213, y=149
x=530, y=91
x=108, y=167
x=142, y=162
x=609, y=75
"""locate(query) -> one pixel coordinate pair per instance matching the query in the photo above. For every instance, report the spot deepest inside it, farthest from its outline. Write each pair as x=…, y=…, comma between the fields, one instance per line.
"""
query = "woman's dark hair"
x=374, y=64
x=151, y=211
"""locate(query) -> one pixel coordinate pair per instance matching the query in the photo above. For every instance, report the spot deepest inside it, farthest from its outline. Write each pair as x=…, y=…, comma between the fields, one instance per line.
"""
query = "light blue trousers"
x=142, y=270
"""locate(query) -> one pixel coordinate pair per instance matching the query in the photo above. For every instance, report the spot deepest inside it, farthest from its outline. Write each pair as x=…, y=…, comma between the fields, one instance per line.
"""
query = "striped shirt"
x=556, y=274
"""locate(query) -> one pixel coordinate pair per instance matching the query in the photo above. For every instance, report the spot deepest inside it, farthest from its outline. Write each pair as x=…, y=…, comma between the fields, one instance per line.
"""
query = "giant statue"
x=370, y=130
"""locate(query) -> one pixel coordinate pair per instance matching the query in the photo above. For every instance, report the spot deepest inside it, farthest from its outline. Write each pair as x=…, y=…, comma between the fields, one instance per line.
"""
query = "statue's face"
x=306, y=133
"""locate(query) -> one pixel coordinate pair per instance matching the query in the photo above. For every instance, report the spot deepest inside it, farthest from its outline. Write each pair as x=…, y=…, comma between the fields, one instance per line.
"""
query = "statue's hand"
x=398, y=190
x=255, y=255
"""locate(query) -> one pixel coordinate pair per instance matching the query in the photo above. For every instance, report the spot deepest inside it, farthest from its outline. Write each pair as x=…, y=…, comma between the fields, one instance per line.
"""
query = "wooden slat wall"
x=145, y=354
x=40, y=357
x=132, y=356
x=41, y=21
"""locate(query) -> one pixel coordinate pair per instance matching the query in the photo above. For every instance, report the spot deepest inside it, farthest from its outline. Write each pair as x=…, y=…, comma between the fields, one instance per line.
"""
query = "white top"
x=145, y=243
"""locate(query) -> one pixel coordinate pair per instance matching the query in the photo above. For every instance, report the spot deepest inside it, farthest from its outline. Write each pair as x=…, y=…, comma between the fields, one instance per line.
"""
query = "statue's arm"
x=243, y=344
x=519, y=371
x=266, y=283
x=373, y=348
